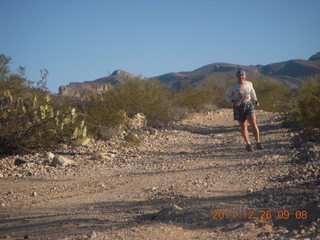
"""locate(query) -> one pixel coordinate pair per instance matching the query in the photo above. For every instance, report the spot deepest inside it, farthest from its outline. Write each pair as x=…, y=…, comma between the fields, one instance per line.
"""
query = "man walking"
x=243, y=97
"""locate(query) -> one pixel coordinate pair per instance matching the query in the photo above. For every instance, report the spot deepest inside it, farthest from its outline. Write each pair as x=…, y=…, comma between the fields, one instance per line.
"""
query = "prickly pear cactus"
x=79, y=135
x=35, y=122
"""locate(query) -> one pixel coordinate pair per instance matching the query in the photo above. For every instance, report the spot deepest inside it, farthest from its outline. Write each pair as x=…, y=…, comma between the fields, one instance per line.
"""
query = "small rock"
x=176, y=207
x=153, y=131
x=34, y=194
x=294, y=232
x=105, y=155
x=92, y=234
x=19, y=162
x=268, y=228
x=264, y=235
x=28, y=172
x=250, y=190
x=64, y=146
x=275, y=157
x=249, y=225
x=61, y=161
x=283, y=230
x=312, y=228
x=50, y=156
x=302, y=231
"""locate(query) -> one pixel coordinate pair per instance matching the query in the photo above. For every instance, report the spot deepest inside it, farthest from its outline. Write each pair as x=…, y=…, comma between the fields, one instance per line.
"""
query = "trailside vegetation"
x=273, y=97
x=306, y=110
x=32, y=118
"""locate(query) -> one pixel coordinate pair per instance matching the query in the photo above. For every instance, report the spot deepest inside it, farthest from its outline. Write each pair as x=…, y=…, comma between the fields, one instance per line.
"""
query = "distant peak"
x=121, y=73
x=315, y=57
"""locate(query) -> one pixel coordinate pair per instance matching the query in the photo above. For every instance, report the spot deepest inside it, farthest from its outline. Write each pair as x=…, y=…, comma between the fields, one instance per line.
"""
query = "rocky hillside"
x=99, y=85
x=292, y=73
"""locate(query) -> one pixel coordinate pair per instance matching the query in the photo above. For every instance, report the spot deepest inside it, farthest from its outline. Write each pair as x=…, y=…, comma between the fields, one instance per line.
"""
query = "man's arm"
x=254, y=96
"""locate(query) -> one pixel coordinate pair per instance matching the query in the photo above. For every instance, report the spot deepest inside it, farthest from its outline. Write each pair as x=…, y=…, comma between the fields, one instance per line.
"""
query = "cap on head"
x=241, y=72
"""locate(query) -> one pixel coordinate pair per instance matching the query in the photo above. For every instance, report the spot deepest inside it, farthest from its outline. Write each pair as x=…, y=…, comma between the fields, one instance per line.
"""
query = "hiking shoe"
x=249, y=148
x=259, y=146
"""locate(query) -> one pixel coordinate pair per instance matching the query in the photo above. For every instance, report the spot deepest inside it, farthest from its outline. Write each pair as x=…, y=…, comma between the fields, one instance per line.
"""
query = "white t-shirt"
x=237, y=92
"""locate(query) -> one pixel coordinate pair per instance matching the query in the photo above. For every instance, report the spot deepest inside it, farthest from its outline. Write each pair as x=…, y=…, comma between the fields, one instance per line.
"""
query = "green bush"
x=111, y=109
x=216, y=94
x=191, y=99
x=106, y=112
x=147, y=97
x=273, y=97
x=306, y=112
x=29, y=119
x=33, y=123
x=103, y=118
x=133, y=139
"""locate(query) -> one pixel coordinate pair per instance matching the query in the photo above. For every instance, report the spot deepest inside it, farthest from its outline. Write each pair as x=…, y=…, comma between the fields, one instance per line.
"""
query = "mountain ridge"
x=292, y=73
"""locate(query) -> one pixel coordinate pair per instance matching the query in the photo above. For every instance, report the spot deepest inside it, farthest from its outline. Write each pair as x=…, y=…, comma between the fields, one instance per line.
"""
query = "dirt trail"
x=172, y=186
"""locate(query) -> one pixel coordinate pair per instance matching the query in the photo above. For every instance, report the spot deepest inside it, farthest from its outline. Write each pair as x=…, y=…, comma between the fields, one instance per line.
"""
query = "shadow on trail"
x=215, y=167
x=192, y=213
x=212, y=130
x=40, y=225
x=270, y=127
x=189, y=213
x=221, y=150
x=208, y=130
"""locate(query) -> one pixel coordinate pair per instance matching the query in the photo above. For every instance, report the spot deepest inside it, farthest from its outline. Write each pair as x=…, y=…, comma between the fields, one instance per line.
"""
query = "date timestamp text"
x=261, y=214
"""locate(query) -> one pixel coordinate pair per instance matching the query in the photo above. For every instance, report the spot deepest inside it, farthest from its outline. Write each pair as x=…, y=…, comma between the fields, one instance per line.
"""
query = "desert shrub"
x=273, y=97
x=306, y=112
x=33, y=123
x=103, y=118
x=133, y=139
x=190, y=99
x=208, y=97
x=15, y=82
x=216, y=93
x=148, y=97
x=29, y=119
x=110, y=109
x=105, y=113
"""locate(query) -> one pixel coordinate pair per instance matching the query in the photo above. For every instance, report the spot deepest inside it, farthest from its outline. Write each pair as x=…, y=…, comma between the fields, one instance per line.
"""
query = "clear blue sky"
x=82, y=40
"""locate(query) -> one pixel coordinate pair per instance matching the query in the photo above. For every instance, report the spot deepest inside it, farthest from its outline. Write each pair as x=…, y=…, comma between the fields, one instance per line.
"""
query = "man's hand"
x=238, y=103
x=256, y=103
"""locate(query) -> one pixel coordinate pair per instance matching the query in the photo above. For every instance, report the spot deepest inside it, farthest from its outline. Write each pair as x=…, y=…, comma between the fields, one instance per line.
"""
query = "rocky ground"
x=191, y=180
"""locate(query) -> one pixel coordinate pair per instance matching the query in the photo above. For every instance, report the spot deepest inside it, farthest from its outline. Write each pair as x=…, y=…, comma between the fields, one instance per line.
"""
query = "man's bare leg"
x=253, y=123
x=244, y=131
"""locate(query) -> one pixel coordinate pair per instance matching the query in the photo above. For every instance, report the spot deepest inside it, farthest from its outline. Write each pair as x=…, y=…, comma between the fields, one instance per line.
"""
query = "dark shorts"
x=240, y=112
